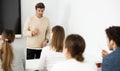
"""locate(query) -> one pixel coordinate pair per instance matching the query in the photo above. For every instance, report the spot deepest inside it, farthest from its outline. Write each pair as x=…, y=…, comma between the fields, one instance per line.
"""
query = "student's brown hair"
x=76, y=46
x=113, y=33
x=8, y=37
x=57, y=38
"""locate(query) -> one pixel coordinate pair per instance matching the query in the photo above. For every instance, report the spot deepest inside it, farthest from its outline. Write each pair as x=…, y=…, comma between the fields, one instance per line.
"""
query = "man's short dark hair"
x=40, y=5
x=113, y=33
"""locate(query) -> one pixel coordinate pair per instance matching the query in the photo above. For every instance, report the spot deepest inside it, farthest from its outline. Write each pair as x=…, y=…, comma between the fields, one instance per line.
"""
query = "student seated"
x=111, y=62
x=53, y=53
x=11, y=58
x=73, y=49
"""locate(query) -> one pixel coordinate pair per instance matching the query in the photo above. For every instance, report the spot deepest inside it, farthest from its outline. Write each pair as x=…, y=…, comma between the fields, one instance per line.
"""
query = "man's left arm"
x=48, y=30
x=47, y=34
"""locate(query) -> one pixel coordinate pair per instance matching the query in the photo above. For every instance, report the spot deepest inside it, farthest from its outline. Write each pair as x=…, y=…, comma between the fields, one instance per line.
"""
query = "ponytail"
x=6, y=56
x=79, y=57
x=8, y=37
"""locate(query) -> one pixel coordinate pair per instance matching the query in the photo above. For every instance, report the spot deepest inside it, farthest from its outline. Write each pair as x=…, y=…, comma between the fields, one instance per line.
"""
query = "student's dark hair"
x=113, y=33
x=6, y=54
x=58, y=38
x=40, y=5
x=76, y=46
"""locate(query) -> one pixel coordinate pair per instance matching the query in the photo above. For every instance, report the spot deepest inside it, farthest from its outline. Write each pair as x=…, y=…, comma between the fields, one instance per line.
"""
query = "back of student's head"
x=58, y=36
x=40, y=5
x=113, y=33
x=8, y=37
x=76, y=46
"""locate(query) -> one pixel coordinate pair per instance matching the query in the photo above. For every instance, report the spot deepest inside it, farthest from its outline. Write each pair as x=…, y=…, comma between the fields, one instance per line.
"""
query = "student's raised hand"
x=104, y=53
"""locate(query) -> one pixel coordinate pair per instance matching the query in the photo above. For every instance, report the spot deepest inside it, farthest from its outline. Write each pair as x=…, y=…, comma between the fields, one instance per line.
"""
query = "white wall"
x=88, y=18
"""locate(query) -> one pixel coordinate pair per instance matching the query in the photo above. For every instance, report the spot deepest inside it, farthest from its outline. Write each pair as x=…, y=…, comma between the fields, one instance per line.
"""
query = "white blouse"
x=49, y=57
x=73, y=65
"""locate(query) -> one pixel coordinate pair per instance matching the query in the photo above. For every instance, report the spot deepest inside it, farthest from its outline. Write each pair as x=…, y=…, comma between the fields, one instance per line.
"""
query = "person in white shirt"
x=73, y=49
x=53, y=54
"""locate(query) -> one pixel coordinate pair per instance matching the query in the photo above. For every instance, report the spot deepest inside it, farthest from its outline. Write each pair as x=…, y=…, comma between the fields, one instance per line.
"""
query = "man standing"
x=37, y=31
x=111, y=62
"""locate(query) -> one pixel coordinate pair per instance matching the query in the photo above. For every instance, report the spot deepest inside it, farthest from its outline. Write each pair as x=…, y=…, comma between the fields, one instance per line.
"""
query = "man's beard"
x=110, y=48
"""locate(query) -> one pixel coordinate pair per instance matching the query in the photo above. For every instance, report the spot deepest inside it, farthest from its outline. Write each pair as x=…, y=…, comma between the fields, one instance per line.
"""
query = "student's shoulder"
x=111, y=55
x=58, y=67
x=108, y=59
x=62, y=64
x=46, y=49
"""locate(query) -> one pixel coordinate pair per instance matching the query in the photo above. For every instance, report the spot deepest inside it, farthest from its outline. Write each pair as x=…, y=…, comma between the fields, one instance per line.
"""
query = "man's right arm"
x=104, y=53
x=26, y=30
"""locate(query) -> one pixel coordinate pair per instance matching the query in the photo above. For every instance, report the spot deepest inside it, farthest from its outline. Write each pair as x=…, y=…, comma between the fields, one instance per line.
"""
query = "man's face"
x=40, y=11
x=110, y=44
